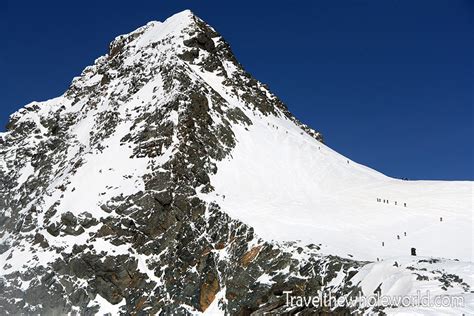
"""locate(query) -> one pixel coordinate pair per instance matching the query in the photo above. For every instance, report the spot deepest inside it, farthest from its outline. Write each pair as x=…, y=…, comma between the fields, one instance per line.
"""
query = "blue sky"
x=388, y=83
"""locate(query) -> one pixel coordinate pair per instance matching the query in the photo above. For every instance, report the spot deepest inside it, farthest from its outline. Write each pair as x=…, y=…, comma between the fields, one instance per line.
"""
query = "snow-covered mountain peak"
x=155, y=31
x=167, y=179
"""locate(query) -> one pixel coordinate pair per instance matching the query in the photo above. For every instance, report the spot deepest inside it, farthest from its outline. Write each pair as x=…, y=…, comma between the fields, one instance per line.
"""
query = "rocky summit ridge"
x=100, y=207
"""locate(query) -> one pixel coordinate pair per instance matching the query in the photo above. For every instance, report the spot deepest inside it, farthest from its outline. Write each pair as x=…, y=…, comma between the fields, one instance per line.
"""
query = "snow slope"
x=289, y=186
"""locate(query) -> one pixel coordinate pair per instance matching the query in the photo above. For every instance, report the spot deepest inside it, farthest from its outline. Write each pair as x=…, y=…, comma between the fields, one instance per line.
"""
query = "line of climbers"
x=413, y=250
x=388, y=202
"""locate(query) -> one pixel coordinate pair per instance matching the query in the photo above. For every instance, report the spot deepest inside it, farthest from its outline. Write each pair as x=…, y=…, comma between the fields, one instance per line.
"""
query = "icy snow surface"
x=289, y=186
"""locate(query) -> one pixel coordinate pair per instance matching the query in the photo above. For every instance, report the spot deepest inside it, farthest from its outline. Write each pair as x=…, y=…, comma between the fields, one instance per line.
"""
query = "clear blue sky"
x=389, y=83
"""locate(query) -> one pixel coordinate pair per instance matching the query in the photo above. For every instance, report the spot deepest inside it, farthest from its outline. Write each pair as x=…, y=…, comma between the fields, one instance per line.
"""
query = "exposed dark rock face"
x=144, y=241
